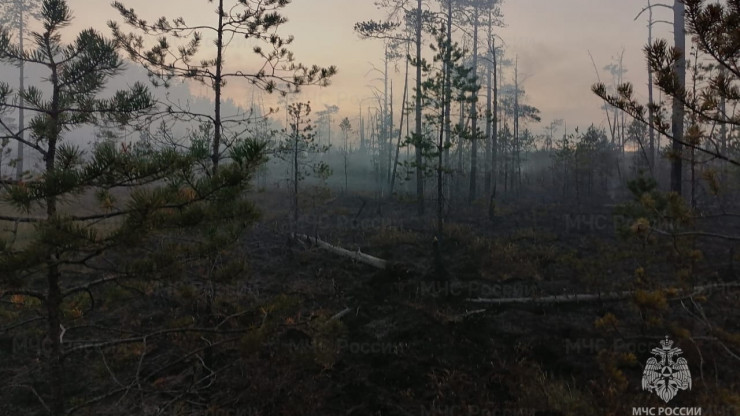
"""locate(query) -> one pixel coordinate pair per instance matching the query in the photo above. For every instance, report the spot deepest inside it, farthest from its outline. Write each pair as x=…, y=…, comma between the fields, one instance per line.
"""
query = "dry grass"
x=392, y=236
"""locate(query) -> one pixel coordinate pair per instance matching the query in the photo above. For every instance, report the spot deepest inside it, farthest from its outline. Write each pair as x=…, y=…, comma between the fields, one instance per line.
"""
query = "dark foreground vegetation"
x=297, y=329
x=247, y=270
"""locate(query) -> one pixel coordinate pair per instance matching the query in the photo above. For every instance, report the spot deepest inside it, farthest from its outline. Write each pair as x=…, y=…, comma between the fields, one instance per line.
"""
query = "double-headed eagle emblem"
x=663, y=375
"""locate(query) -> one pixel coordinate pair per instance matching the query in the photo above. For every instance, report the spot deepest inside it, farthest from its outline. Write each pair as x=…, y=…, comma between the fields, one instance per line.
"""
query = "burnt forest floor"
x=296, y=329
x=411, y=341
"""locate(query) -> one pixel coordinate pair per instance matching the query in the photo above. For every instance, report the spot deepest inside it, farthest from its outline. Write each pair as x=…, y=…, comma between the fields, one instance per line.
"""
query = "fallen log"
x=555, y=299
x=597, y=297
x=354, y=255
x=551, y=299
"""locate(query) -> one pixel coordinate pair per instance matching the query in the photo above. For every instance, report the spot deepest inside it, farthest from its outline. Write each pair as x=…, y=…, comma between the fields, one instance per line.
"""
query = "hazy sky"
x=551, y=38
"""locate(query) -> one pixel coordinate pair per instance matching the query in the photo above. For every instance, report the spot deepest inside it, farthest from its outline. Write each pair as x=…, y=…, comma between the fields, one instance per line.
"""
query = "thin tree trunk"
x=723, y=124
x=440, y=166
x=400, y=127
x=218, y=79
x=515, y=148
x=390, y=139
x=295, y=172
x=474, y=114
x=443, y=121
x=346, y=179
x=21, y=122
x=679, y=39
x=54, y=295
x=408, y=134
x=362, y=130
x=386, y=139
x=419, y=161
x=489, y=115
x=494, y=127
x=448, y=93
x=650, y=94
x=694, y=75
x=494, y=133
x=623, y=137
x=723, y=131
x=693, y=178
x=460, y=146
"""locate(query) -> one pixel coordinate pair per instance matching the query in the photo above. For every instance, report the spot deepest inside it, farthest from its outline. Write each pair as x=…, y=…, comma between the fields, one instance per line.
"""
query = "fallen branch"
x=595, y=297
x=21, y=219
x=461, y=317
x=553, y=299
x=697, y=234
x=354, y=255
x=340, y=314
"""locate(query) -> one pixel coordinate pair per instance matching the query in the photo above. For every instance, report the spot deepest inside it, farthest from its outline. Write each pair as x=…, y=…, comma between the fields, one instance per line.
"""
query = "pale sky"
x=550, y=37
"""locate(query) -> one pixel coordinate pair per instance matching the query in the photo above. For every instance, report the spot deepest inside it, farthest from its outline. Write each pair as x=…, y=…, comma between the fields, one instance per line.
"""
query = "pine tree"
x=667, y=215
x=58, y=269
x=251, y=19
x=452, y=79
x=395, y=34
x=297, y=148
x=18, y=12
x=712, y=25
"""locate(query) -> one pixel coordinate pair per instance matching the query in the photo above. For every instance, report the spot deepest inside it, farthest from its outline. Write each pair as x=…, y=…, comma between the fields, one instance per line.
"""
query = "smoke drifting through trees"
x=174, y=254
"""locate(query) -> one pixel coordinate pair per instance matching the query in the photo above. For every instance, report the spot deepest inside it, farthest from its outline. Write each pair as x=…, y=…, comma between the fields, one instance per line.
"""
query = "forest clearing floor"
x=296, y=329
x=411, y=343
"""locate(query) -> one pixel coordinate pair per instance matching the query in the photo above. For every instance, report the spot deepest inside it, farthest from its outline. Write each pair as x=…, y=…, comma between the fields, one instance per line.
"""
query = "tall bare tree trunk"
x=21, y=122
x=489, y=116
x=622, y=136
x=362, y=130
x=384, y=149
x=515, y=149
x=460, y=147
x=496, y=114
x=328, y=129
x=650, y=94
x=494, y=136
x=218, y=80
x=400, y=127
x=295, y=173
x=448, y=94
x=723, y=124
x=679, y=39
x=474, y=113
x=390, y=137
x=440, y=166
x=418, y=133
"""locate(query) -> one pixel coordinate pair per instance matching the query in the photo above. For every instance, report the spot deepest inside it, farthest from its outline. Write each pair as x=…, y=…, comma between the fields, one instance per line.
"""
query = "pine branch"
x=634, y=110
x=143, y=338
x=22, y=323
x=87, y=286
